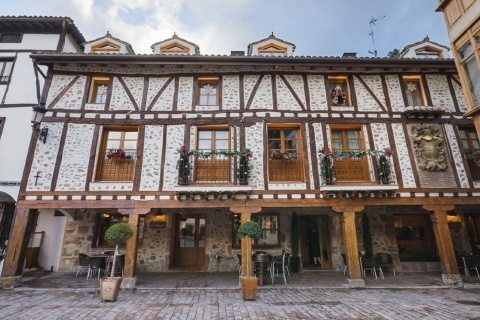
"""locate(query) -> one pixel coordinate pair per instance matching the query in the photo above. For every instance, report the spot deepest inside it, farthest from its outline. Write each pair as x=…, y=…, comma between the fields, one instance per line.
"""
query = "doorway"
x=315, y=241
x=189, y=240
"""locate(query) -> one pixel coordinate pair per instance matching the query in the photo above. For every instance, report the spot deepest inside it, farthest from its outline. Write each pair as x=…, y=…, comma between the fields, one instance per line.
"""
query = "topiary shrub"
x=117, y=234
x=250, y=229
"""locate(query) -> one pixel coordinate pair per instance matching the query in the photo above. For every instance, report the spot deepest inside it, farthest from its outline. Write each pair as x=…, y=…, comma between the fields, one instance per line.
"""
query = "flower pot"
x=109, y=288
x=249, y=287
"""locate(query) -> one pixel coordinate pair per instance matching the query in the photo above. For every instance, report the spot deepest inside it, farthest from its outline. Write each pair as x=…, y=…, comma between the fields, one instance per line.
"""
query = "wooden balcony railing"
x=117, y=170
x=285, y=170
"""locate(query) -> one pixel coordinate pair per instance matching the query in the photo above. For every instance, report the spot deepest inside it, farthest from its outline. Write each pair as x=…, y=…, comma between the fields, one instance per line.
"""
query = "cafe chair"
x=472, y=263
x=387, y=261
x=280, y=267
x=373, y=264
x=83, y=264
x=97, y=264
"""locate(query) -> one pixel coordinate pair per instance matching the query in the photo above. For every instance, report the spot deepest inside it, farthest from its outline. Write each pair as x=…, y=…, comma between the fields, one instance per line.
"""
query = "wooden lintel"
x=245, y=209
x=134, y=211
x=434, y=208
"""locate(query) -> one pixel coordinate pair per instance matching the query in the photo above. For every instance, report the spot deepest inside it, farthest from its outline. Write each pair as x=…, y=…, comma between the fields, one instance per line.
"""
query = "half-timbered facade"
x=185, y=147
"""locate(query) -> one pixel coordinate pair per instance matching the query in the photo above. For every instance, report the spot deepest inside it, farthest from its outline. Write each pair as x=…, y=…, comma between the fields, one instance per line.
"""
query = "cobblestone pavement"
x=28, y=303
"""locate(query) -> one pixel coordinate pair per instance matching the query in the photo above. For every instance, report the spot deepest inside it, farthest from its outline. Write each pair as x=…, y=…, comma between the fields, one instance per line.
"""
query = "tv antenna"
x=372, y=22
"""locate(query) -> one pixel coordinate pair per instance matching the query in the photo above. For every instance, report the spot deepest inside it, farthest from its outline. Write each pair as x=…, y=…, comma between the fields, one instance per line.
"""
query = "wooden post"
x=354, y=273
x=443, y=238
x=13, y=264
x=129, y=278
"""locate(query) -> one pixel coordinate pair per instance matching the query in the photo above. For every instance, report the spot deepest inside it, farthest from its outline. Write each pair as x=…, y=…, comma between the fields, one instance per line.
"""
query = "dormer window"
x=174, y=48
x=428, y=53
x=273, y=50
x=105, y=47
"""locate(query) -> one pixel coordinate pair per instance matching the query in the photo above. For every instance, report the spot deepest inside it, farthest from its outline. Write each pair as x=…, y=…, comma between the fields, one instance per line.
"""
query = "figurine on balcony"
x=326, y=166
x=384, y=169
x=338, y=96
x=183, y=165
x=243, y=169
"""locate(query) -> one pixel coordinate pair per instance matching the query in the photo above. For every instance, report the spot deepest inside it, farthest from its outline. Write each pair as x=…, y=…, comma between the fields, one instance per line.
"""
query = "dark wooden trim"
x=63, y=92
x=265, y=158
x=164, y=153
x=86, y=92
x=186, y=137
x=37, y=81
x=371, y=141
x=300, y=103
x=91, y=159
x=386, y=94
x=39, y=70
x=313, y=152
x=241, y=91
x=427, y=90
x=159, y=93
x=403, y=88
x=61, y=39
x=306, y=89
x=452, y=92
x=395, y=158
x=273, y=79
x=129, y=93
x=306, y=169
x=29, y=161
x=46, y=85
x=243, y=141
x=138, y=164
x=2, y=125
x=58, y=162
x=220, y=92
x=452, y=158
x=175, y=93
x=353, y=92
x=109, y=93
x=326, y=143
x=146, y=84
x=195, y=89
x=411, y=156
x=371, y=93
x=254, y=92
x=452, y=76
x=327, y=94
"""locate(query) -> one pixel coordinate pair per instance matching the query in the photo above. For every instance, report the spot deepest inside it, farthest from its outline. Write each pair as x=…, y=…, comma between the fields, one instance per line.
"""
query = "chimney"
x=237, y=53
x=349, y=55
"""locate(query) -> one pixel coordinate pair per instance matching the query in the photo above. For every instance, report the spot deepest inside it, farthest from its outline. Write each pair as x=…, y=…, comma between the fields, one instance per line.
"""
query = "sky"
x=316, y=27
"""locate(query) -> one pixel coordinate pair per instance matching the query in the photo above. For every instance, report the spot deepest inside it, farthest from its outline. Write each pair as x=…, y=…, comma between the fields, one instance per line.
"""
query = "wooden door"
x=315, y=225
x=190, y=241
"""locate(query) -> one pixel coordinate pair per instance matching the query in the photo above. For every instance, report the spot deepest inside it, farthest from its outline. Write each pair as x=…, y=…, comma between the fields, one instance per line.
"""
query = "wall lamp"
x=38, y=113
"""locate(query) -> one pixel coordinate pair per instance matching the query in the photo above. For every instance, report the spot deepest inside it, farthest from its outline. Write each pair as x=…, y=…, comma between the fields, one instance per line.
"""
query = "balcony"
x=283, y=170
x=350, y=173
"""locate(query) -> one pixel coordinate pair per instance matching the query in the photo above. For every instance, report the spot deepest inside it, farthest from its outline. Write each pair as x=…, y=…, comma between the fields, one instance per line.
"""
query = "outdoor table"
x=263, y=260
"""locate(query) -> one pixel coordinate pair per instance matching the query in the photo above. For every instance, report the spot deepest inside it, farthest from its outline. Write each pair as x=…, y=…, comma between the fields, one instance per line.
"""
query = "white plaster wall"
x=120, y=99
x=440, y=91
x=165, y=101
x=152, y=157
x=54, y=228
x=45, y=158
x=22, y=87
x=254, y=136
x=70, y=45
x=402, y=154
x=263, y=98
x=75, y=157
x=230, y=92
x=135, y=85
x=175, y=135
x=458, y=157
x=318, y=97
x=380, y=138
x=30, y=41
x=285, y=98
x=395, y=93
x=72, y=99
x=249, y=82
x=365, y=100
x=462, y=101
x=185, y=92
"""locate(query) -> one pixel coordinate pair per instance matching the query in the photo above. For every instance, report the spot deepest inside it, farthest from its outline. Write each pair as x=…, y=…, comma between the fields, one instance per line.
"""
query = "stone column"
x=354, y=273
x=129, y=277
x=247, y=265
x=438, y=215
x=17, y=245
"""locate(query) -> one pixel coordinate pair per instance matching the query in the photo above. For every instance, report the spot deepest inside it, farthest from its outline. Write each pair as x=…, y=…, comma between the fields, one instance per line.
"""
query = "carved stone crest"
x=429, y=148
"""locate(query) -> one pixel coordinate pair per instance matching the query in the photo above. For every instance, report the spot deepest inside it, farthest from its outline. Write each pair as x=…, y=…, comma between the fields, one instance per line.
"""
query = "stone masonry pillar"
x=438, y=215
x=354, y=273
x=129, y=277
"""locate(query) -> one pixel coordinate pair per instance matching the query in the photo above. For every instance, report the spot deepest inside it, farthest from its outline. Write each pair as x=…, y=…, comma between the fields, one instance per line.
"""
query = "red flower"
x=326, y=152
x=388, y=152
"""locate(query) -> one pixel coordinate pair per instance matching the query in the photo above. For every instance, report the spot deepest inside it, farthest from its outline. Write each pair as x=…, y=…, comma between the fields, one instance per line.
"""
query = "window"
x=273, y=50
x=338, y=88
x=99, y=90
x=349, y=138
x=118, y=154
x=207, y=92
x=10, y=38
x=174, y=48
x=413, y=91
x=428, y=53
x=217, y=167
x=105, y=221
x=105, y=47
x=471, y=146
x=270, y=230
x=5, y=71
x=284, y=155
x=415, y=238
x=469, y=57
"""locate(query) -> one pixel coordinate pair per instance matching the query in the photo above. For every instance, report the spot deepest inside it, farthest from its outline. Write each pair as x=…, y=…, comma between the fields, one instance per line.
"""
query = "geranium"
x=278, y=155
x=117, y=154
x=388, y=152
x=183, y=150
x=326, y=152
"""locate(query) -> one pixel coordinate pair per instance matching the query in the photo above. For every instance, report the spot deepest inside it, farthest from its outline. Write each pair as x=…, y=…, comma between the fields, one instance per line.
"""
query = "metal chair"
x=373, y=264
x=280, y=262
x=387, y=261
x=97, y=264
x=472, y=263
x=83, y=264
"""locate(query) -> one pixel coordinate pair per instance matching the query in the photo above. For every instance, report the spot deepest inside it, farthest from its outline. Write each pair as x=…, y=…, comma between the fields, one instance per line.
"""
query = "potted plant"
x=183, y=165
x=294, y=259
x=384, y=169
x=326, y=165
x=247, y=232
x=116, y=154
x=117, y=234
x=243, y=170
